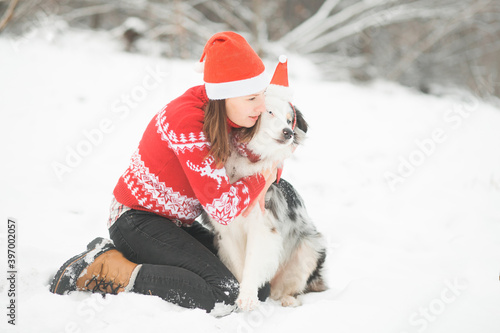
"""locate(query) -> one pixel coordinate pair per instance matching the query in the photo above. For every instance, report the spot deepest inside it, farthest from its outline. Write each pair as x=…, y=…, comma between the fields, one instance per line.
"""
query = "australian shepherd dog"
x=281, y=245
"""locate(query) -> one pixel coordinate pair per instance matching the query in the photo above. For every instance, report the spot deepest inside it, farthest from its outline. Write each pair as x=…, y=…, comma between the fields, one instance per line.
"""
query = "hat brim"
x=237, y=88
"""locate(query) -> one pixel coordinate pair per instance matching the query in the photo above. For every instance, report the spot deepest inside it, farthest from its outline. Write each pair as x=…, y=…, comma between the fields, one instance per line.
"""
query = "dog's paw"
x=247, y=301
x=290, y=301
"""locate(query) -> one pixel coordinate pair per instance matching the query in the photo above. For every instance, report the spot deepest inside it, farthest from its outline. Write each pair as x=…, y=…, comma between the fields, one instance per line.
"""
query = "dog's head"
x=282, y=126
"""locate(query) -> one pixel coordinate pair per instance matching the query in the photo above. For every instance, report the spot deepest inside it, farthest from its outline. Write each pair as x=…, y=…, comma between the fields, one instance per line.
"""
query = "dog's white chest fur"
x=251, y=250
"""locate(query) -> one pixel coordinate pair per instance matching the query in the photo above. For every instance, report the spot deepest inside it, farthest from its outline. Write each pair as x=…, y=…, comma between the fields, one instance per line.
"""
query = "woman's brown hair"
x=218, y=131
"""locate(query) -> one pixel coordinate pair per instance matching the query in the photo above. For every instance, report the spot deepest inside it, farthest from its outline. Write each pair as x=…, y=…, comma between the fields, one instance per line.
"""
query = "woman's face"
x=244, y=111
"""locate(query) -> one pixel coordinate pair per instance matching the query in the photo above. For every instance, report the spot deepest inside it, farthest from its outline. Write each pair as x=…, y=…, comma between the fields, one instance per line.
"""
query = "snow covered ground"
x=404, y=186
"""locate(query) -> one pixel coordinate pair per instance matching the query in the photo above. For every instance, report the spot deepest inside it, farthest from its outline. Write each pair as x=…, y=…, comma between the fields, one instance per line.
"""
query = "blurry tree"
x=8, y=13
x=416, y=42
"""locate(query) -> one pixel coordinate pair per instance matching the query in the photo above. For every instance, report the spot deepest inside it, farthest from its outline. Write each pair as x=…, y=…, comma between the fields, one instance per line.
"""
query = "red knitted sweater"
x=170, y=174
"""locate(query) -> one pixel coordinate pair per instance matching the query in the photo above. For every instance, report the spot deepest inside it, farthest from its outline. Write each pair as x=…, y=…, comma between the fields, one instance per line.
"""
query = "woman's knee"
x=227, y=291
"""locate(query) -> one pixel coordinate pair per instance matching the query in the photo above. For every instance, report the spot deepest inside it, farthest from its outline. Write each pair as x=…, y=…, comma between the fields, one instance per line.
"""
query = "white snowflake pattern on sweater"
x=179, y=143
x=225, y=208
x=156, y=195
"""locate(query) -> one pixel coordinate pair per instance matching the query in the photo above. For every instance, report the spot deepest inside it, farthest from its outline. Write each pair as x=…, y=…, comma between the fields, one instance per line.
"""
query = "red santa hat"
x=278, y=93
x=231, y=68
x=279, y=83
x=280, y=76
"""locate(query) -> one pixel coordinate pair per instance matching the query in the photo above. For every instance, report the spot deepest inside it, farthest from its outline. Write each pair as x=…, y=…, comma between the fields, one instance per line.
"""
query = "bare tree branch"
x=311, y=24
x=227, y=15
x=434, y=37
x=378, y=19
x=8, y=14
x=89, y=11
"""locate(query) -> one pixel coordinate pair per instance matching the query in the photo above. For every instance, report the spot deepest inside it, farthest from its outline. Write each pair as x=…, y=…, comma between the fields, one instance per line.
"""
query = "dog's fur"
x=281, y=246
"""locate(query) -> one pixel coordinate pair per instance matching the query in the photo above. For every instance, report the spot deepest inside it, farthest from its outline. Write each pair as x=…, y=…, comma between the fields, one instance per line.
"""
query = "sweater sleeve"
x=222, y=200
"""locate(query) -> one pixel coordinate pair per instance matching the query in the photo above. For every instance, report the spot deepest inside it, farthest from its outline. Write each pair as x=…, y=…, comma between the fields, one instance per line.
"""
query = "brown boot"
x=101, y=268
x=109, y=273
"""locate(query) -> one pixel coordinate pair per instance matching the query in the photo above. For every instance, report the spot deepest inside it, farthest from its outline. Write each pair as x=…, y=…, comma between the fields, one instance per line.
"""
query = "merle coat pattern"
x=282, y=245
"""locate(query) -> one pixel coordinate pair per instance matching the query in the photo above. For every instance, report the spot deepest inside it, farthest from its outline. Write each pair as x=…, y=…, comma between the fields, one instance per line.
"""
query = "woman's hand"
x=270, y=176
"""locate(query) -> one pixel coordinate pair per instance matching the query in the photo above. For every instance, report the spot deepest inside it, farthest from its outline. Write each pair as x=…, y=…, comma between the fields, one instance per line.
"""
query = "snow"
x=404, y=186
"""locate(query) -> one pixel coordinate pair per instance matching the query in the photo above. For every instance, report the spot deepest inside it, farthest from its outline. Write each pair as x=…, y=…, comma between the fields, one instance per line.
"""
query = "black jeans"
x=178, y=263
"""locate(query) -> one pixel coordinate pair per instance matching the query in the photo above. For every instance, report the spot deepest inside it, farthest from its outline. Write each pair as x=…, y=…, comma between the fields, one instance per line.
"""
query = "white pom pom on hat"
x=199, y=66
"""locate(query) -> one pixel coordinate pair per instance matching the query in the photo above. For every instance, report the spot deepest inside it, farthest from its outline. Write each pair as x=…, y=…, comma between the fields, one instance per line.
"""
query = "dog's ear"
x=301, y=122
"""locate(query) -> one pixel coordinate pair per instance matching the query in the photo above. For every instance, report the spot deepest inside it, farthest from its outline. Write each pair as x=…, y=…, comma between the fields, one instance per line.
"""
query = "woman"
x=177, y=170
